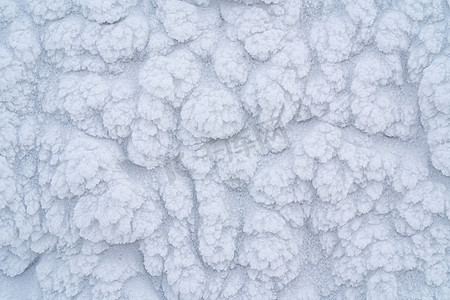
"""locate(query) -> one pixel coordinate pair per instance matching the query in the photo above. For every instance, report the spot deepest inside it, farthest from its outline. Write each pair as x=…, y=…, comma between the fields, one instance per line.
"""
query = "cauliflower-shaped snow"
x=419, y=204
x=275, y=183
x=18, y=61
x=435, y=107
x=212, y=112
x=379, y=97
x=294, y=56
x=185, y=277
x=422, y=9
x=123, y=214
x=180, y=19
x=56, y=277
x=254, y=27
x=374, y=70
x=152, y=140
x=170, y=78
x=178, y=197
x=85, y=165
x=232, y=149
x=8, y=11
x=230, y=64
x=115, y=266
x=430, y=41
x=272, y=96
x=332, y=38
x=49, y=9
x=383, y=285
x=106, y=11
x=118, y=116
x=149, y=146
x=269, y=248
x=76, y=44
x=236, y=158
x=80, y=97
x=394, y=31
x=361, y=12
x=217, y=231
x=333, y=181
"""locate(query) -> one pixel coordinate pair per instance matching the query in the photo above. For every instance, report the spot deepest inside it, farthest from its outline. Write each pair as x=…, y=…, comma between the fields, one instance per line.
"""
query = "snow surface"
x=225, y=149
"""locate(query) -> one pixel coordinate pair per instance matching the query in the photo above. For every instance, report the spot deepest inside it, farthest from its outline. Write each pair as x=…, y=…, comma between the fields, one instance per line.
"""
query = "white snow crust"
x=225, y=149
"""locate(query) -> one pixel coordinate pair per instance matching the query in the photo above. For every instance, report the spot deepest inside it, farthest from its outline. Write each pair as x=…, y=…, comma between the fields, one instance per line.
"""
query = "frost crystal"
x=231, y=149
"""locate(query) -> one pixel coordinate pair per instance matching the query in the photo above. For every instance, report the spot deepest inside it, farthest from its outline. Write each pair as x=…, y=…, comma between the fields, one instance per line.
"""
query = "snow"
x=230, y=64
x=170, y=78
x=212, y=112
x=233, y=149
x=332, y=38
x=105, y=11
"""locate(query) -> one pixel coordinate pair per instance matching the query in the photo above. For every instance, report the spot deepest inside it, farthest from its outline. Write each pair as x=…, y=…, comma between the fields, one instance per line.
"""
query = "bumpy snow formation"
x=225, y=149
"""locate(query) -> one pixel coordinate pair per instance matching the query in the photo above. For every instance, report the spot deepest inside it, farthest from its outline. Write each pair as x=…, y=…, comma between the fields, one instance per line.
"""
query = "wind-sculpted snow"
x=232, y=149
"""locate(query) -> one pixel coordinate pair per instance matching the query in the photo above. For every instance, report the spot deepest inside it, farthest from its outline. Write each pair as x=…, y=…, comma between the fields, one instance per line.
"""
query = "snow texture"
x=225, y=149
